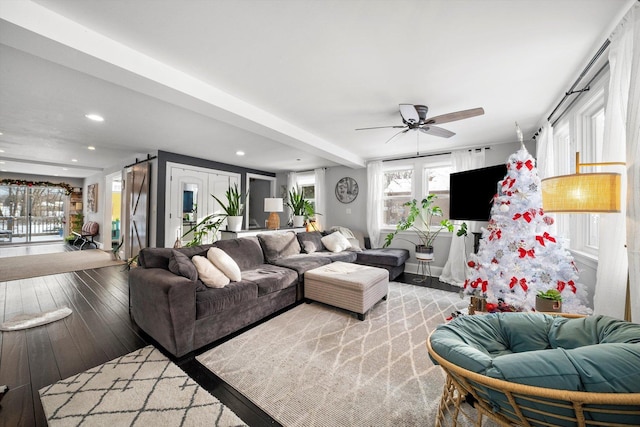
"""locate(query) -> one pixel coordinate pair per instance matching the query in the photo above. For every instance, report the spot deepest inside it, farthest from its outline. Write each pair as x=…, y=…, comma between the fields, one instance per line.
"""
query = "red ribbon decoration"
x=523, y=253
x=522, y=282
x=527, y=216
x=546, y=236
x=570, y=283
x=495, y=234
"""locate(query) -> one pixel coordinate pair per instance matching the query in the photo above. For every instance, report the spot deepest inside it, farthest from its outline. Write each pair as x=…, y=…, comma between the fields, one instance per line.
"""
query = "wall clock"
x=347, y=190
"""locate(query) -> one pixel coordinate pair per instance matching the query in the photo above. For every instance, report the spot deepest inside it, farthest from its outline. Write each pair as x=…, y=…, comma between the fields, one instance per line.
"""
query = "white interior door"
x=187, y=202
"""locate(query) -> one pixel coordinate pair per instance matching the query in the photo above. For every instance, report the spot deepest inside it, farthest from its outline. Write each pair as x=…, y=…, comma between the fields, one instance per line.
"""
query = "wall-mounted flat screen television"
x=471, y=192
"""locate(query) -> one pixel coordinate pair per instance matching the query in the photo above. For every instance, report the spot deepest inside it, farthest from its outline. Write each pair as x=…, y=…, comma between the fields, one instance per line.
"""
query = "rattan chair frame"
x=520, y=396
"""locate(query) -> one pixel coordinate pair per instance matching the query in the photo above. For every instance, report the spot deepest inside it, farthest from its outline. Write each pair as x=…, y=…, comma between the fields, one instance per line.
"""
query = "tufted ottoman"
x=352, y=287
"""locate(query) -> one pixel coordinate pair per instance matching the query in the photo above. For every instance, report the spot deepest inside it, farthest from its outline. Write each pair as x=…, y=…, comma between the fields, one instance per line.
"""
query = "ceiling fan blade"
x=436, y=131
x=409, y=113
x=393, y=137
x=383, y=127
x=452, y=117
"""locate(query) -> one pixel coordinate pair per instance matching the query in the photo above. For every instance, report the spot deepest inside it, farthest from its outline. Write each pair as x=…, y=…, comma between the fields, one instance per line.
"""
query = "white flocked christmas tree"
x=518, y=255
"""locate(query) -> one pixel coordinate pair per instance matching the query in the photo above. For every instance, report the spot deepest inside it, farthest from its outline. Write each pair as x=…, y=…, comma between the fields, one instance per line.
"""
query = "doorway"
x=30, y=214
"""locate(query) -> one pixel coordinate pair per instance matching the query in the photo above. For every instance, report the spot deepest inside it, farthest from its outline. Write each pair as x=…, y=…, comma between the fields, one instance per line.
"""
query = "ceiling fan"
x=414, y=117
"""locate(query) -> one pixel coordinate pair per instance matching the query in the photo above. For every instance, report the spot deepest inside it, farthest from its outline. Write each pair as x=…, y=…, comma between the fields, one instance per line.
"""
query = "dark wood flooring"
x=99, y=330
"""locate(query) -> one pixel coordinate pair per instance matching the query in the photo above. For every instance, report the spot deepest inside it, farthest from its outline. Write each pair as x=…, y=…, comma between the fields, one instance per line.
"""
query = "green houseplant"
x=302, y=209
x=234, y=208
x=549, y=301
x=418, y=220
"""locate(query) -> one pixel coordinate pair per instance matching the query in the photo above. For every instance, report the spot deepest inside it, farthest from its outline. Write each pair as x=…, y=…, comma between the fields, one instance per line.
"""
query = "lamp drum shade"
x=582, y=192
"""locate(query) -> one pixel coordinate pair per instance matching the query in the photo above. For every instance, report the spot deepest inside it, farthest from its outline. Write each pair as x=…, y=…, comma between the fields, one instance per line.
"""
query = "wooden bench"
x=86, y=235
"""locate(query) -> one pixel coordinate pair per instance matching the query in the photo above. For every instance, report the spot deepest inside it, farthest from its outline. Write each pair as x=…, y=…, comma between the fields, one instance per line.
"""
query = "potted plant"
x=549, y=301
x=299, y=206
x=418, y=220
x=234, y=208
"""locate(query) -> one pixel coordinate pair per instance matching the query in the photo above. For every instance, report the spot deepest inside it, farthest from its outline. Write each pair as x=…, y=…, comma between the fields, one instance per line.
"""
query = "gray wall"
x=352, y=215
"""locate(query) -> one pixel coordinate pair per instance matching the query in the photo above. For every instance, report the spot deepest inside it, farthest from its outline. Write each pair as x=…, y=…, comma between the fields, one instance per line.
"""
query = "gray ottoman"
x=349, y=286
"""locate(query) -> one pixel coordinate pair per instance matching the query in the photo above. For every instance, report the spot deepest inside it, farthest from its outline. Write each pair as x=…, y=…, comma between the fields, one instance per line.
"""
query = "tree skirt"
x=142, y=388
x=24, y=321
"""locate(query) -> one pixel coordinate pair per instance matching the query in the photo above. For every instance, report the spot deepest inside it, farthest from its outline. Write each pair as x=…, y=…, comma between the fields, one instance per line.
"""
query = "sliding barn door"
x=137, y=188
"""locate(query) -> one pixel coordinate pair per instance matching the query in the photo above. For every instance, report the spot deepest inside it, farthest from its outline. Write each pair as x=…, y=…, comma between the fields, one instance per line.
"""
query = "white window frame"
x=306, y=179
x=419, y=184
x=579, y=123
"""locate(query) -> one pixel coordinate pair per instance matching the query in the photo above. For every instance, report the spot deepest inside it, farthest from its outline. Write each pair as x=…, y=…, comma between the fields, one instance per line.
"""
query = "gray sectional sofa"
x=170, y=303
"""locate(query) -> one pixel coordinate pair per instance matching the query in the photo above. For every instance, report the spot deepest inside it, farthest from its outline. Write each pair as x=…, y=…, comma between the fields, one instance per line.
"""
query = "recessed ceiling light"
x=91, y=147
x=94, y=117
x=65, y=169
x=1, y=163
x=239, y=153
x=74, y=160
x=1, y=150
x=1, y=133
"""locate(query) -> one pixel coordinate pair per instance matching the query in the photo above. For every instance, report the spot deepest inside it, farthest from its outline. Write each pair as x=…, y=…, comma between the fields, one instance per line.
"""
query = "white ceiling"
x=285, y=81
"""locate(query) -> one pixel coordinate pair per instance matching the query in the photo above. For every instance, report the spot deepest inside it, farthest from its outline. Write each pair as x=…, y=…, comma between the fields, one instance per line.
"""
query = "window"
x=404, y=182
x=398, y=189
x=306, y=183
x=437, y=182
x=581, y=130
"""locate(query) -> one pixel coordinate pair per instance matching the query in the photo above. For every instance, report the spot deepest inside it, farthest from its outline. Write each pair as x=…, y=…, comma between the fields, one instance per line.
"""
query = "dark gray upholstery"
x=311, y=241
x=182, y=314
x=390, y=259
x=279, y=245
x=216, y=300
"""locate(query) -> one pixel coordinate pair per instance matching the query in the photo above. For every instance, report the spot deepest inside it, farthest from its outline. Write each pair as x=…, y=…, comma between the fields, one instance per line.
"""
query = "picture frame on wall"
x=92, y=197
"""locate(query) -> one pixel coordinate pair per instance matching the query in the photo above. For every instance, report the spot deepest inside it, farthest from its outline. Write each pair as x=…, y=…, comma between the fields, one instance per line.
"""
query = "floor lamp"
x=585, y=193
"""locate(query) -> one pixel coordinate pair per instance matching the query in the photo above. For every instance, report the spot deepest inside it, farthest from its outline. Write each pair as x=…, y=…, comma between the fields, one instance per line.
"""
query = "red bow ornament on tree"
x=522, y=282
x=545, y=236
x=570, y=283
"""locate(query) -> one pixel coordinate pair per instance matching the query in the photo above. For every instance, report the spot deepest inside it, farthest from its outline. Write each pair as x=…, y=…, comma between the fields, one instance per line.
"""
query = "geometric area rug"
x=316, y=365
x=142, y=388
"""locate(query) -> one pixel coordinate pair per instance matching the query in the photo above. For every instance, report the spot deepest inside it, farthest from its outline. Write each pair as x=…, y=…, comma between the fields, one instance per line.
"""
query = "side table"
x=424, y=270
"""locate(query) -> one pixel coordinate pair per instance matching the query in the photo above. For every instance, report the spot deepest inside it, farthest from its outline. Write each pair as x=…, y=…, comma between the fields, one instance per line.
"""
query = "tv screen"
x=471, y=192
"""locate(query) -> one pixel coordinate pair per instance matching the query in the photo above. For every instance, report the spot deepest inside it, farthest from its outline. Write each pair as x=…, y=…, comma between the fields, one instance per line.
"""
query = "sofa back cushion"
x=245, y=251
x=310, y=241
x=279, y=245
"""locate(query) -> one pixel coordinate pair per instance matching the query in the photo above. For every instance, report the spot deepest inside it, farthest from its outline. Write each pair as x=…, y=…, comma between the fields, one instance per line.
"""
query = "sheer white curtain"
x=321, y=203
x=292, y=184
x=620, y=138
x=375, y=188
x=454, y=271
x=545, y=158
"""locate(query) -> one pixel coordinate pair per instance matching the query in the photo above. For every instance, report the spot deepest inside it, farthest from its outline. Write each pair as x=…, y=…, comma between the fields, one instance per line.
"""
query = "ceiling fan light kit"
x=414, y=117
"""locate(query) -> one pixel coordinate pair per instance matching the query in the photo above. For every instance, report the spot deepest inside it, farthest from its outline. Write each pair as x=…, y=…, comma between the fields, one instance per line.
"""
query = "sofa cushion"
x=279, y=245
x=225, y=263
x=216, y=300
x=270, y=278
x=245, y=251
x=344, y=256
x=208, y=273
x=387, y=256
x=310, y=241
x=181, y=265
x=302, y=263
x=336, y=242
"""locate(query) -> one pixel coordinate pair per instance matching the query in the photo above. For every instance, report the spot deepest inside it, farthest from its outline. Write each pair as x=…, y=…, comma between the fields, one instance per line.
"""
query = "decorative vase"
x=424, y=253
x=548, y=305
x=298, y=220
x=234, y=223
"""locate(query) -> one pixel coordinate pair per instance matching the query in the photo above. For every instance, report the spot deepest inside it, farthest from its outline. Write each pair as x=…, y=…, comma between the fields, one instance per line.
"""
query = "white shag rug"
x=24, y=321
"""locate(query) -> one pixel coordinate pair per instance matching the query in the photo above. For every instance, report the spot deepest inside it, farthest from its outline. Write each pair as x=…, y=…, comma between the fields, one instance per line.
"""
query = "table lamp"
x=273, y=205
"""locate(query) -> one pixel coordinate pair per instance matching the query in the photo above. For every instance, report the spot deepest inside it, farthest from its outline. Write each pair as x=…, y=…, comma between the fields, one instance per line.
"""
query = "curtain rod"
x=572, y=90
x=431, y=155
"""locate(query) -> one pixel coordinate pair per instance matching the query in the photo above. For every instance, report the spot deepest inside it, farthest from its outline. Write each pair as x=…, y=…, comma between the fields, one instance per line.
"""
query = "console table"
x=228, y=235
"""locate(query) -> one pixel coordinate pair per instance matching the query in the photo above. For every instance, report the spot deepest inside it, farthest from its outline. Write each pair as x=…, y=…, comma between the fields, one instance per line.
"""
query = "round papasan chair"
x=533, y=369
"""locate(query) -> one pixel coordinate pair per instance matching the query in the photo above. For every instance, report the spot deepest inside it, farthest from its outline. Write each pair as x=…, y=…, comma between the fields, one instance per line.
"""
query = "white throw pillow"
x=225, y=263
x=336, y=242
x=210, y=275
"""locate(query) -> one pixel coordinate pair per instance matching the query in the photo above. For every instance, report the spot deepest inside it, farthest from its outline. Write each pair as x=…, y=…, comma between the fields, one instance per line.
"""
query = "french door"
x=31, y=214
